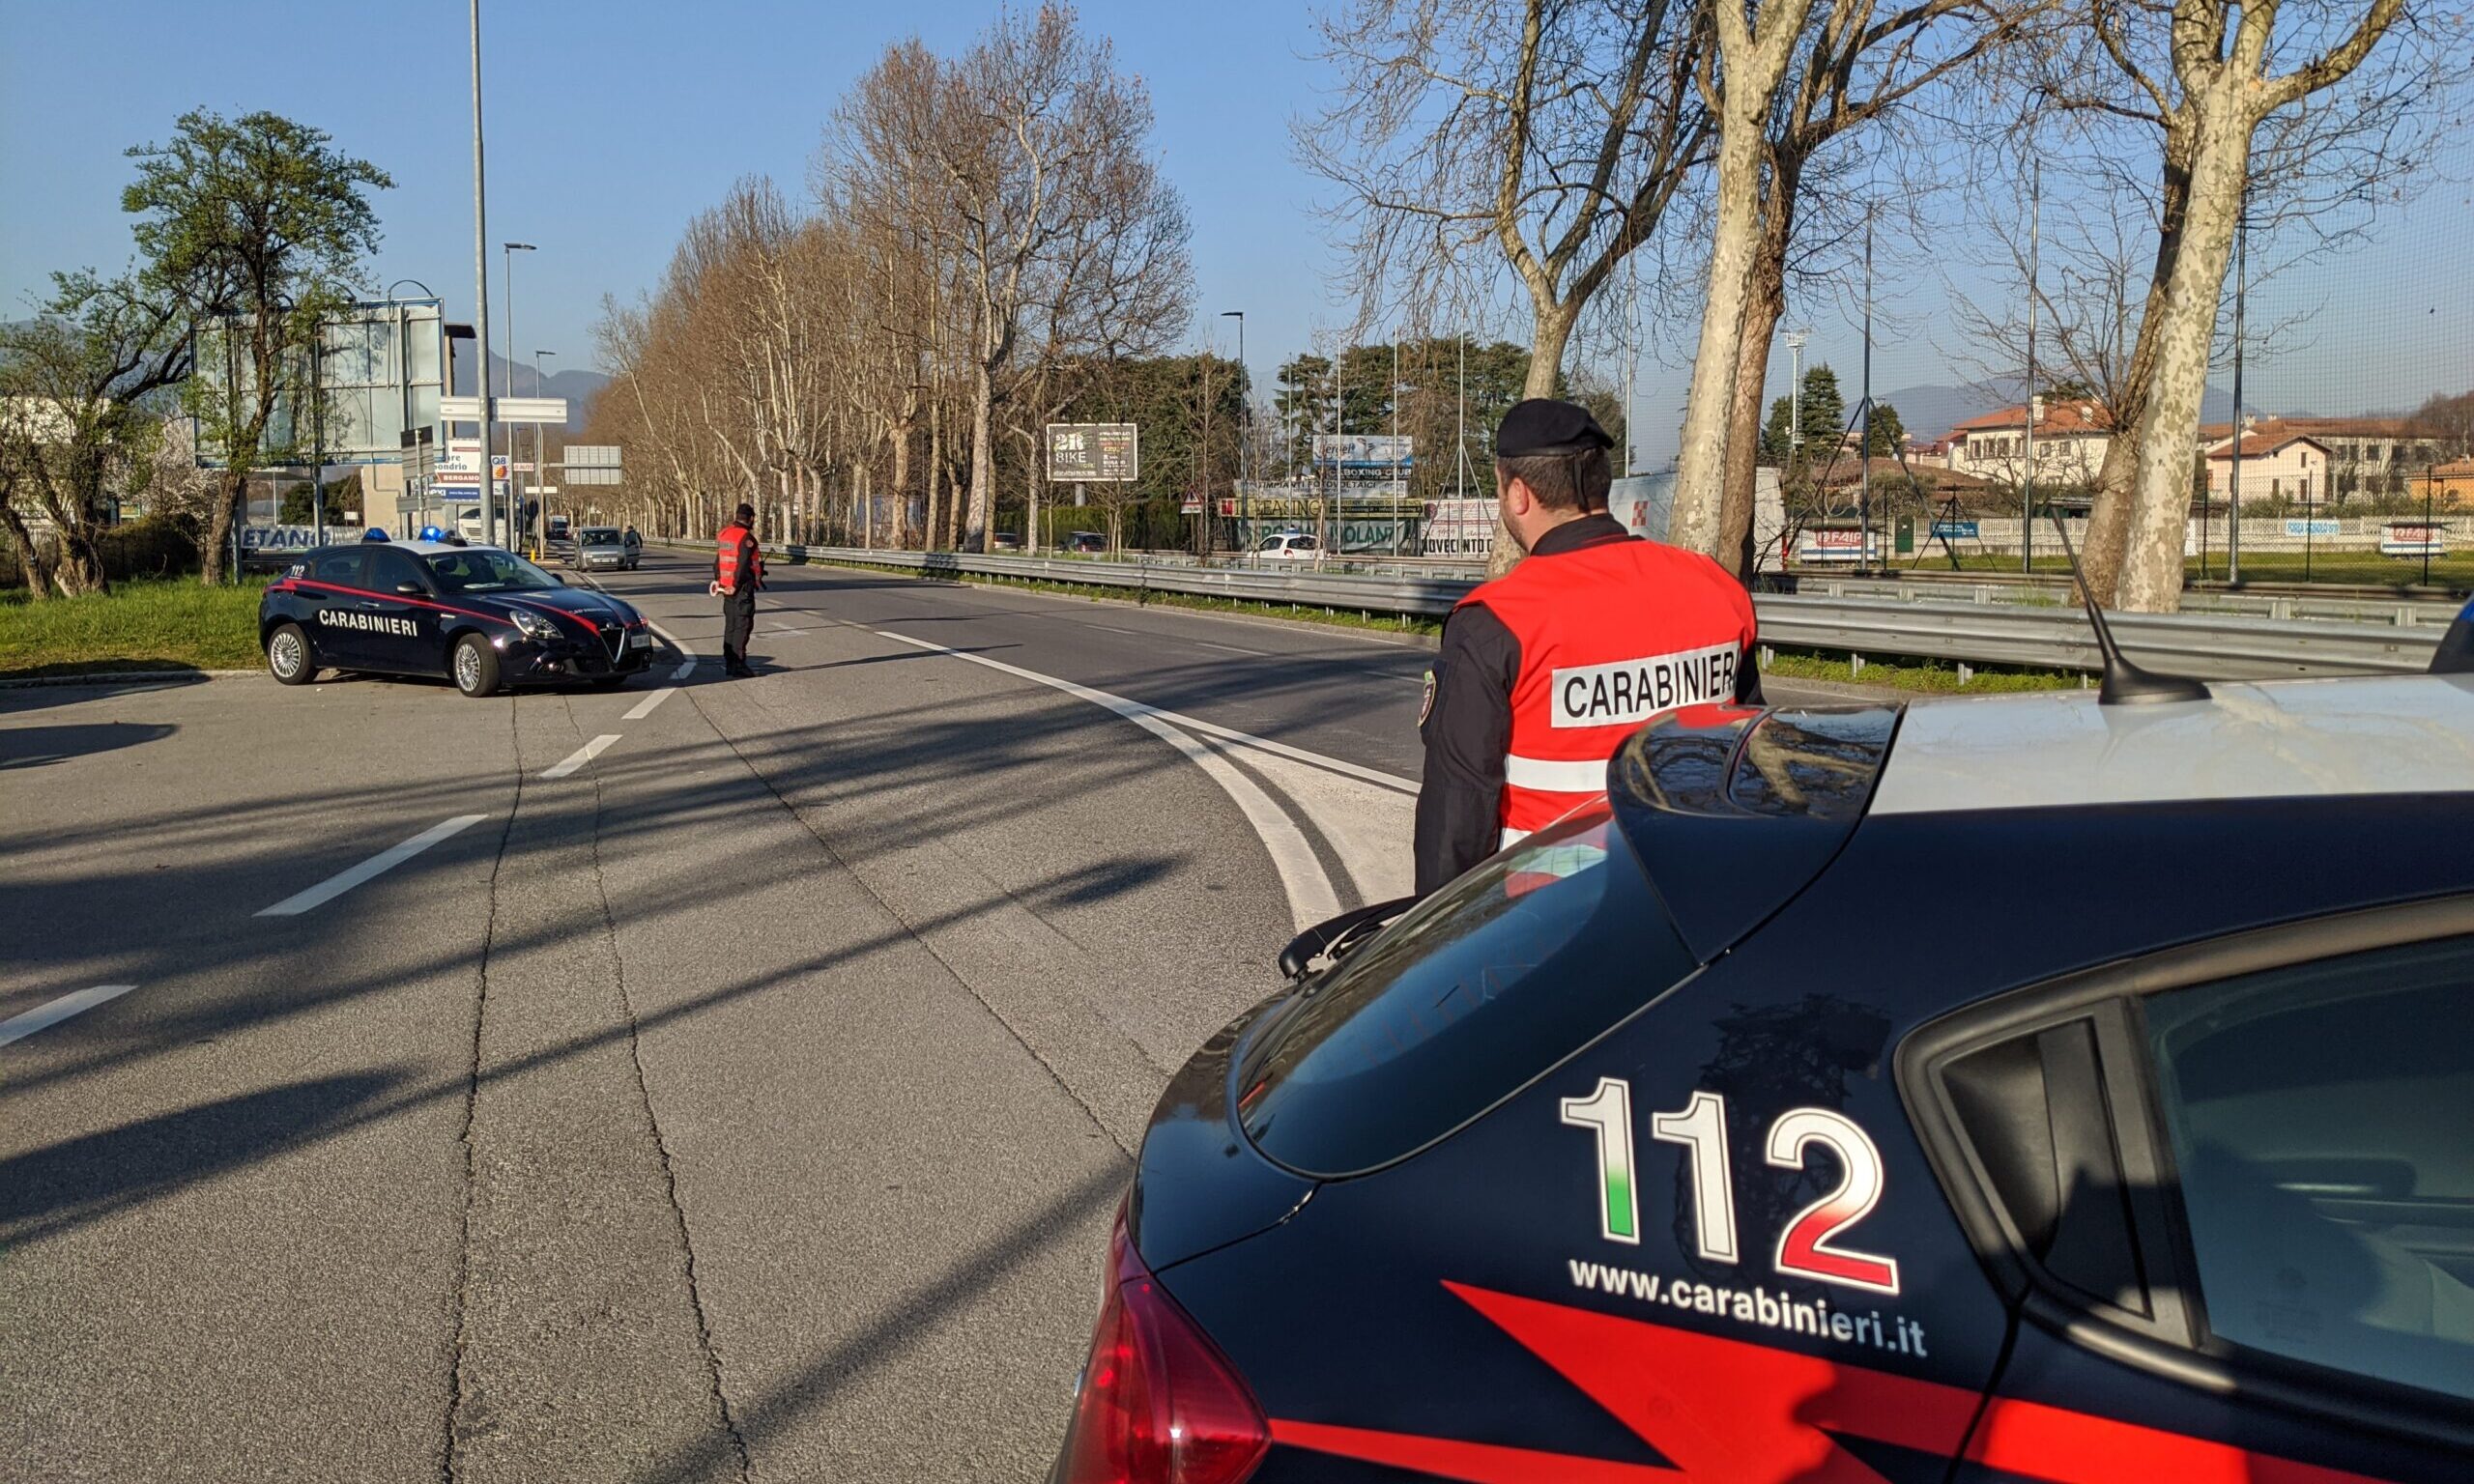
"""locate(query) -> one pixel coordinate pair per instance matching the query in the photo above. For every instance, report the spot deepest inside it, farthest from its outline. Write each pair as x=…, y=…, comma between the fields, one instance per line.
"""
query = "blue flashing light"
x=432, y=534
x=374, y=534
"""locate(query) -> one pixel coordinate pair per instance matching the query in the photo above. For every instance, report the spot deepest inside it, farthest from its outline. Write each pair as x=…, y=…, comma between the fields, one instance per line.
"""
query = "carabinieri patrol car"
x=2017, y=1088
x=479, y=615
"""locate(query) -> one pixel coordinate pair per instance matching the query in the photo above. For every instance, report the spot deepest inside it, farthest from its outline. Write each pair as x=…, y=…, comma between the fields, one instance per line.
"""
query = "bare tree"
x=2204, y=77
x=1478, y=136
x=81, y=393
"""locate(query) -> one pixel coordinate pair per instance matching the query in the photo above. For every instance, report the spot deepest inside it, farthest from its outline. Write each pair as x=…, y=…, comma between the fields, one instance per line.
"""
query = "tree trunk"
x=35, y=561
x=983, y=456
x=219, y=517
x=900, y=486
x=1552, y=330
x=2151, y=571
x=1765, y=304
x=1701, y=463
x=2109, y=522
x=935, y=468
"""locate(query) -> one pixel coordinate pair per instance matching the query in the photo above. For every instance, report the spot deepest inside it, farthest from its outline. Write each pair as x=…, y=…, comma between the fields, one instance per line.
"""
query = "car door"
x=404, y=633
x=2231, y=1189
x=334, y=589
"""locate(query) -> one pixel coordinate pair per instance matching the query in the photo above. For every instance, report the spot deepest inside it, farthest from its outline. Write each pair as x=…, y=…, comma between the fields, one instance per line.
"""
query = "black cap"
x=1544, y=425
x=747, y=515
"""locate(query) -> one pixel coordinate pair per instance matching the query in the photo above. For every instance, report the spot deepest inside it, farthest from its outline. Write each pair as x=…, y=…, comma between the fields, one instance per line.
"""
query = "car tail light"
x=1159, y=1404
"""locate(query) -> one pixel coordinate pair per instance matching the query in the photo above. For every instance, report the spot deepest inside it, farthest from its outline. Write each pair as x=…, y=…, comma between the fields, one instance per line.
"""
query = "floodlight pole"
x=482, y=284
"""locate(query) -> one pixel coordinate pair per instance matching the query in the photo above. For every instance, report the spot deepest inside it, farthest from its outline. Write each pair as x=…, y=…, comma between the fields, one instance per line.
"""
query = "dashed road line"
x=43, y=1018
x=386, y=860
x=687, y=656
x=644, y=707
x=1233, y=648
x=580, y=755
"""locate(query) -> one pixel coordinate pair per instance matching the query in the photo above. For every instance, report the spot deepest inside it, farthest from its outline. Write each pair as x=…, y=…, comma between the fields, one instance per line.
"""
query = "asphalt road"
x=708, y=1080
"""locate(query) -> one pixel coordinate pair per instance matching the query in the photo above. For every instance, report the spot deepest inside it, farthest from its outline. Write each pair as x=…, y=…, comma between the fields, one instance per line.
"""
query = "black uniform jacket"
x=1467, y=725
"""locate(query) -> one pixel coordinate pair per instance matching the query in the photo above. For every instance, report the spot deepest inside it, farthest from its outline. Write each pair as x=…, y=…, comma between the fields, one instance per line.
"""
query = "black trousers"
x=738, y=620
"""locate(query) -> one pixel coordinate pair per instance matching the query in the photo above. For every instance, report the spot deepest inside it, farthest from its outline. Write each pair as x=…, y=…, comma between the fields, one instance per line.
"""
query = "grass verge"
x=168, y=623
x=1936, y=678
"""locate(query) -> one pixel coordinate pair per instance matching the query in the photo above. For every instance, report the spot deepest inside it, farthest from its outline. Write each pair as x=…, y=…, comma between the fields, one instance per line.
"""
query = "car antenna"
x=2125, y=683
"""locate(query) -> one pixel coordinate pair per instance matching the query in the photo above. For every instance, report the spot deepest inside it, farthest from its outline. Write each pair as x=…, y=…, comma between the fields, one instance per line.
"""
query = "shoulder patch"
x=1426, y=706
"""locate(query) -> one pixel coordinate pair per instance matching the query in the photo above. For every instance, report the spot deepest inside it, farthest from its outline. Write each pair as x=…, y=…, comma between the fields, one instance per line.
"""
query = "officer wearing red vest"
x=738, y=571
x=1546, y=669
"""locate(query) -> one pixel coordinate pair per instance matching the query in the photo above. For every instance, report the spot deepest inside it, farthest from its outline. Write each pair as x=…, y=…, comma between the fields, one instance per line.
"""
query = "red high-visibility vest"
x=726, y=563
x=1611, y=634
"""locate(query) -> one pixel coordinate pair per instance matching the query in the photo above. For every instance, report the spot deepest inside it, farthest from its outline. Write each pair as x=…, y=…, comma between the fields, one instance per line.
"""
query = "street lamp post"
x=514, y=486
x=481, y=281
x=1245, y=438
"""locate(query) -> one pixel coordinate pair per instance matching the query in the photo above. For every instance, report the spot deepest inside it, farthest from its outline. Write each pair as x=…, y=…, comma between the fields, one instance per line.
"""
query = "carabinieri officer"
x=1546, y=669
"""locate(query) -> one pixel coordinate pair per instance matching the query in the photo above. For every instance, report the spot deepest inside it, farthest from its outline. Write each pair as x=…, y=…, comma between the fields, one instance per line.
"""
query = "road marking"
x=1307, y=885
x=580, y=755
x=644, y=707
x=688, y=664
x=1233, y=648
x=384, y=861
x=44, y=1016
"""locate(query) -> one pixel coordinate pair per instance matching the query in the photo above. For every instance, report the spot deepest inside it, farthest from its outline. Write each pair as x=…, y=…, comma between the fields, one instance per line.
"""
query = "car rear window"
x=1478, y=991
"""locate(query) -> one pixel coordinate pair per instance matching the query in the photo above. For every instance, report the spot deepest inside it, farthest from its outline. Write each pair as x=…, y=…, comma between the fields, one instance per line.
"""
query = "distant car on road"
x=1288, y=545
x=600, y=548
x=1086, y=542
x=1004, y=541
x=479, y=615
x=2014, y=1089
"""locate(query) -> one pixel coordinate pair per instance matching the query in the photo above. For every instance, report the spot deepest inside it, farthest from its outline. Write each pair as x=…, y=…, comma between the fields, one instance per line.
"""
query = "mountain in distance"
x=578, y=386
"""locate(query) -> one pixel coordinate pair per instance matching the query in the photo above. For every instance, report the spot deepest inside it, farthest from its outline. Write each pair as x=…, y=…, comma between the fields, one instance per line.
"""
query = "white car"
x=1289, y=546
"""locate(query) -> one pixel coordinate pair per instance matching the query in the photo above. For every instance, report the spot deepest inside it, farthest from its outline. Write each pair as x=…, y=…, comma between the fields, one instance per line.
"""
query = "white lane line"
x=1232, y=649
x=580, y=755
x=44, y=1016
x=336, y=885
x=1307, y=885
x=644, y=707
x=688, y=664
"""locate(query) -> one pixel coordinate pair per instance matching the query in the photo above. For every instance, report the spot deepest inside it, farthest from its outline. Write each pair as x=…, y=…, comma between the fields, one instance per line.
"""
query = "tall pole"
x=1864, y=449
x=481, y=286
x=318, y=427
x=1396, y=444
x=1460, y=428
x=1632, y=351
x=1331, y=512
x=2241, y=292
x=2034, y=275
x=1794, y=401
x=540, y=462
x=1245, y=439
x=514, y=485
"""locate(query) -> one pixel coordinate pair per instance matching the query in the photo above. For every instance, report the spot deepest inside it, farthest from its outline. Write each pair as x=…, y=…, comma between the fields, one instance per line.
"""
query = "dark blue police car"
x=2017, y=1088
x=479, y=615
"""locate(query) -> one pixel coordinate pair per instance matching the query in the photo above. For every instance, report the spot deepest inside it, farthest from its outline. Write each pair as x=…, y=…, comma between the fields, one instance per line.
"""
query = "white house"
x=2070, y=442
x=2277, y=463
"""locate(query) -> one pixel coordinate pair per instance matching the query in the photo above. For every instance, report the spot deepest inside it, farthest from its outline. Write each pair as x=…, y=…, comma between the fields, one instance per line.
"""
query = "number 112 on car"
x=1808, y=1246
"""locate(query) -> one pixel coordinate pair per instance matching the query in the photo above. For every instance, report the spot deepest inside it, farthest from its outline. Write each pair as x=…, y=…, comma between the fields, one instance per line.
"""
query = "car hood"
x=583, y=602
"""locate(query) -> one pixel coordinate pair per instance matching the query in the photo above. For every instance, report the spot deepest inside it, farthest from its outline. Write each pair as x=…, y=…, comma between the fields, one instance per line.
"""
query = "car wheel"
x=476, y=666
x=289, y=658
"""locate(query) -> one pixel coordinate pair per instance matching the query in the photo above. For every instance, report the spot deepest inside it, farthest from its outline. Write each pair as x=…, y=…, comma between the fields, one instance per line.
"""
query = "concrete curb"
x=124, y=677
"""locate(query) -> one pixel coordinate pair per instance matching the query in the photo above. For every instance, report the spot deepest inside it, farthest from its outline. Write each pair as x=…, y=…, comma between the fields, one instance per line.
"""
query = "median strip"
x=384, y=861
x=43, y=1018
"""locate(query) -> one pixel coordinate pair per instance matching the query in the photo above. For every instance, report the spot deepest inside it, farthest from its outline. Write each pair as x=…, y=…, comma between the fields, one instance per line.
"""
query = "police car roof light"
x=374, y=534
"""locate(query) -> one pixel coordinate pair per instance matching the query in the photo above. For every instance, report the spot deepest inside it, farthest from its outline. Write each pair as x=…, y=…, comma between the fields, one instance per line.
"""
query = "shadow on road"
x=36, y=746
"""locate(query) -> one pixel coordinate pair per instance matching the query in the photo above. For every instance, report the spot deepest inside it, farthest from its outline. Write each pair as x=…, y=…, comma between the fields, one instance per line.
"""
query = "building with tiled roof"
x=2071, y=438
x=2368, y=457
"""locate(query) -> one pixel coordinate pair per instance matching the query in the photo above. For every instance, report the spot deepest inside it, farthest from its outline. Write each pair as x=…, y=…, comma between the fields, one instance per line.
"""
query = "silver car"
x=602, y=547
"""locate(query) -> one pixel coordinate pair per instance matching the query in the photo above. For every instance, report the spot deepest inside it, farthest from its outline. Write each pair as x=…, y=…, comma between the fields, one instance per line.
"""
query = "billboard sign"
x=1093, y=453
x=2403, y=538
x=380, y=367
x=1363, y=452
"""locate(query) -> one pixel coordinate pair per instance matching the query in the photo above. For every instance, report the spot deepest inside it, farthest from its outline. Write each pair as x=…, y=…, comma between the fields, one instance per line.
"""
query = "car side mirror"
x=412, y=590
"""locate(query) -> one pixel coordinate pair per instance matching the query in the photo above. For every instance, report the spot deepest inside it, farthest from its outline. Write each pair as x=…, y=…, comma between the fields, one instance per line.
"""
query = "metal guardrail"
x=2208, y=645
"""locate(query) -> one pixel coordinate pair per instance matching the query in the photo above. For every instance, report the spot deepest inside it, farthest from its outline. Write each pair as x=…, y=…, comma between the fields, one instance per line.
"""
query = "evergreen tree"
x=1889, y=434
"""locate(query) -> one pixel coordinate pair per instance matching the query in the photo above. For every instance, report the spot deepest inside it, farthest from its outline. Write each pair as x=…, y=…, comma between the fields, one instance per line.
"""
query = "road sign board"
x=1380, y=452
x=592, y=455
x=1093, y=452
x=504, y=409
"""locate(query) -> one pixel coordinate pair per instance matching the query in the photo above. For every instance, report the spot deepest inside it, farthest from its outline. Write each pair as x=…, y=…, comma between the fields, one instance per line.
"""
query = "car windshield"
x=487, y=569
x=1484, y=986
x=598, y=535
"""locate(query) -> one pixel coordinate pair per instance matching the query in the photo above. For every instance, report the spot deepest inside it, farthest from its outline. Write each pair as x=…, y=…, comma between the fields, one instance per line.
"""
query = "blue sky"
x=611, y=123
